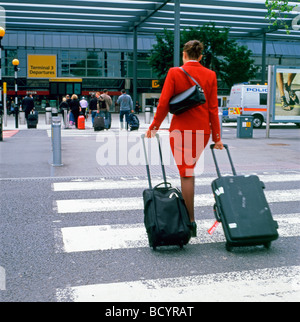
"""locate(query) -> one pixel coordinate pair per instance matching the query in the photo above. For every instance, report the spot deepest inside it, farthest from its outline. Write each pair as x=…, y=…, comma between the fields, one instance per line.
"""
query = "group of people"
x=75, y=107
x=26, y=105
x=99, y=105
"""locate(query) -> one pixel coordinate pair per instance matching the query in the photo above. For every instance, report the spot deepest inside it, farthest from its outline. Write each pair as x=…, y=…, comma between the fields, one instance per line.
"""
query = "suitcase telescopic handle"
x=215, y=159
x=161, y=161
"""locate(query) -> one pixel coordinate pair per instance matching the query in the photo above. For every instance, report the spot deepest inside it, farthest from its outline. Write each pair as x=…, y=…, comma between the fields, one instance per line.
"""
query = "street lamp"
x=16, y=62
x=2, y=34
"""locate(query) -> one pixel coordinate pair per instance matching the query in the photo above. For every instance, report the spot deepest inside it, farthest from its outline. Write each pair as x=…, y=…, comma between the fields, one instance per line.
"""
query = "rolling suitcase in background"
x=99, y=124
x=32, y=120
x=133, y=122
x=165, y=215
x=242, y=208
x=81, y=122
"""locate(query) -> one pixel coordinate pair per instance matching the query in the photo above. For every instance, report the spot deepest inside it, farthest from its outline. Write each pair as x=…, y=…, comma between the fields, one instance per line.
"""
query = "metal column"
x=263, y=63
x=177, y=34
x=134, y=65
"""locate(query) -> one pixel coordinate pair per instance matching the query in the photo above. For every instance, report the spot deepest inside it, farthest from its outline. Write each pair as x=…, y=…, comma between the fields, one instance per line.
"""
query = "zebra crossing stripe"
x=106, y=237
x=136, y=203
x=134, y=184
x=260, y=285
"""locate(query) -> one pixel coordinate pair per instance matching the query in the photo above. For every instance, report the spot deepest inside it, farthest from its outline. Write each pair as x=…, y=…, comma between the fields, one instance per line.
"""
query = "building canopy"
x=245, y=18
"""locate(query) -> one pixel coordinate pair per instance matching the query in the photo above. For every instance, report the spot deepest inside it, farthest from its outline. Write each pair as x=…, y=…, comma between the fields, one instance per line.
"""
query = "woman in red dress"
x=189, y=131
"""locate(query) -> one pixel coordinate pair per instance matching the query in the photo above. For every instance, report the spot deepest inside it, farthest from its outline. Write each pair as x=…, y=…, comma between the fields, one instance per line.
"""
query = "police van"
x=248, y=99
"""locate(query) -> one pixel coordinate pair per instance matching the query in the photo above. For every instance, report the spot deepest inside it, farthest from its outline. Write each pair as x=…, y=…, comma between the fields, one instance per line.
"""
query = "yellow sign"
x=41, y=66
x=66, y=80
x=155, y=83
x=4, y=88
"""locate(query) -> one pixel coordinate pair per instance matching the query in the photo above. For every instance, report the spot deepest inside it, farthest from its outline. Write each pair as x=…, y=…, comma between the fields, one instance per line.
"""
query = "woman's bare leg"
x=188, y=191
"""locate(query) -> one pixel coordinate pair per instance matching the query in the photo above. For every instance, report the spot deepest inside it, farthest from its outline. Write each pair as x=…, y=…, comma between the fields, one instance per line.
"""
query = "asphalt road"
x=81, y=237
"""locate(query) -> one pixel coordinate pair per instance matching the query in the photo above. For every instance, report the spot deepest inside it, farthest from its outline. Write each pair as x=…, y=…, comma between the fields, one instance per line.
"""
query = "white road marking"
x=136, y=203
x=106, y=237
x=260, y=285
x=133, y=184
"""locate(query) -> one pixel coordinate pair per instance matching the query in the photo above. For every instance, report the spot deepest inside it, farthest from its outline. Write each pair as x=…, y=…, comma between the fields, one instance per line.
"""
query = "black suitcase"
x=242, y=208
x=99, y=124
x=32, y=120
x=165, y=215
x=133, y=122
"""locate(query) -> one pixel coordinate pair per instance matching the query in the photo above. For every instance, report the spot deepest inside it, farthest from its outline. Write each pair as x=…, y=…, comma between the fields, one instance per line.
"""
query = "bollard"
x=147, y=115
x=56, y=141
x=66, y=118
x=54, y=111
x=221, y=120
x=48, y=115
x=22, y=119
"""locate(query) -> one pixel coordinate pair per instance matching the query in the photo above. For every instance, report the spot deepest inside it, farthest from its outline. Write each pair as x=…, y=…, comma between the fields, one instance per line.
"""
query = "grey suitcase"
x=242, y=208
x=99, y=124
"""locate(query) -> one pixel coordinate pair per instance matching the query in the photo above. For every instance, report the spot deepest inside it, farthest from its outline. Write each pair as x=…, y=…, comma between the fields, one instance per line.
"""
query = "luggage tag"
x=213, y=228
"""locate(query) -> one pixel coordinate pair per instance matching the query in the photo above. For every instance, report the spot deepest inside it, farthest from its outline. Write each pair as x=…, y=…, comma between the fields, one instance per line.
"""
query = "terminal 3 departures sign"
x=41, y=66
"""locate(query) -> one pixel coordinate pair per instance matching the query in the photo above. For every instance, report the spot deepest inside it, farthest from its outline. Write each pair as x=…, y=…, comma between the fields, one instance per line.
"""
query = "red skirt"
x=187, y=147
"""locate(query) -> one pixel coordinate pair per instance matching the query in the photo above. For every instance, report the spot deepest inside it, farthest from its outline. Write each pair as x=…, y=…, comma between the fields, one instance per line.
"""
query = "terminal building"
x=54, y=62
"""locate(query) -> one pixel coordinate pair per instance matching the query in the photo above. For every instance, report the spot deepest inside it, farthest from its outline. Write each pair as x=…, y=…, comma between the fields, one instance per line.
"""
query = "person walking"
x=83, y=104
x=93, y=106
x=108, y=103
x=27, y=105
x=126, y=106
x=63, y=106
x=137, y=107
x=189, y=131
x=75, y=108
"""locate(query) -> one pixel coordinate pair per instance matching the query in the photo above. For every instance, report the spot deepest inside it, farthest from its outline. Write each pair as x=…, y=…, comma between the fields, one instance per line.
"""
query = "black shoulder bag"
x=188, y=99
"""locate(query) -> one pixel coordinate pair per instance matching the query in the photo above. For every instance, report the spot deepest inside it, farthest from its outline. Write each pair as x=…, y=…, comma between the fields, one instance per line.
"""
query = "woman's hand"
x=219, y=145
x=150, y=133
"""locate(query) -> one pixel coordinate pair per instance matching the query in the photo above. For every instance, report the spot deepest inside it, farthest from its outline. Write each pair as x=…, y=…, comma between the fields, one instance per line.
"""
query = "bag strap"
x=192, y=78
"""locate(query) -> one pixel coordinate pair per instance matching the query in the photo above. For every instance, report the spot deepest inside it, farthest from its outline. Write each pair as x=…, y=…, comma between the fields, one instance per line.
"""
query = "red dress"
x=189, y=131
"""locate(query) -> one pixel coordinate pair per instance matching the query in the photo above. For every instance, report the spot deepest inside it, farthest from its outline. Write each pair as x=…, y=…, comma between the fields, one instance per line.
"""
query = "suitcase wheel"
x=228, y=247
x=267, y=245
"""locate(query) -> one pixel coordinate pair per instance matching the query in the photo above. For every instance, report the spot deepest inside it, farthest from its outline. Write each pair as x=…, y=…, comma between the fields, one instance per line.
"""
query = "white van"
x=248, y=100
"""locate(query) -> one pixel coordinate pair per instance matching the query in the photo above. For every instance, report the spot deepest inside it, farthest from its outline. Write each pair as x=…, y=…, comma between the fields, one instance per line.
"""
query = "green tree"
x=277, y=12
x=161, y=58
x=237, y=66
x=230, y=61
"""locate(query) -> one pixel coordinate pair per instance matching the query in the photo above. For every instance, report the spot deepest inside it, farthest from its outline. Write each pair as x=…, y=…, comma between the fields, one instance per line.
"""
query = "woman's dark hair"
x=193, y=48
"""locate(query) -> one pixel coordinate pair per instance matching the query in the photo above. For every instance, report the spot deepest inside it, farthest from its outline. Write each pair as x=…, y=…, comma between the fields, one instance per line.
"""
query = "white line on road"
x=136, y=203
x=106, y=237
x=134, y=184
x=260, y=285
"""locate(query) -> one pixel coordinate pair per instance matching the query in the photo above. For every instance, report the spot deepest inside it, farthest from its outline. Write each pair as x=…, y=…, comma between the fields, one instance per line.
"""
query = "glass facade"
x=106, y=61
x=89, y=64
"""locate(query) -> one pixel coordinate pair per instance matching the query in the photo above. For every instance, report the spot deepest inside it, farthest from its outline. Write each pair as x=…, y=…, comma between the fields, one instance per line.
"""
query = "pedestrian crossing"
x=105, y=237
x=266, y=285
x=258, y=284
